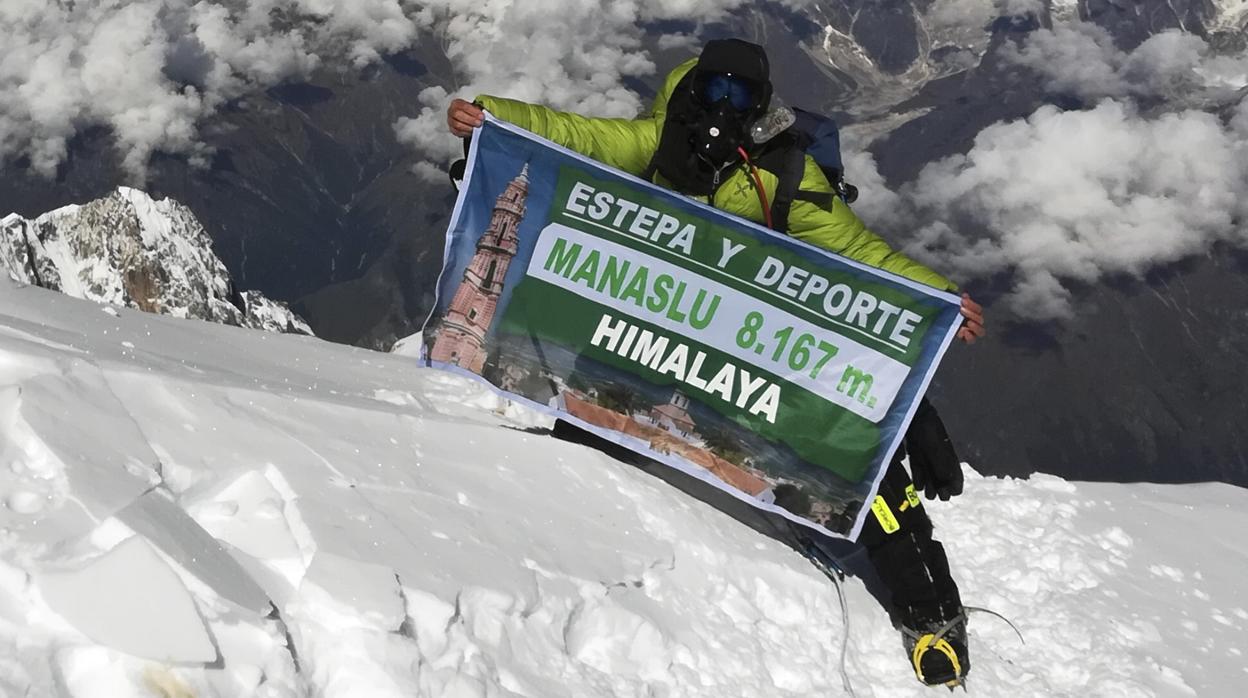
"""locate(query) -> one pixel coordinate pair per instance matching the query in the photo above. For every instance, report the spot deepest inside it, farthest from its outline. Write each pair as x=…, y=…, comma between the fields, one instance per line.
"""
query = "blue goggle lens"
x=738, y=92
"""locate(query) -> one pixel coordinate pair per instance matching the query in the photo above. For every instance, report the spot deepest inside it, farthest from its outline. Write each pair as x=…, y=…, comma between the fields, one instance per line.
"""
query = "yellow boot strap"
x=928, y=642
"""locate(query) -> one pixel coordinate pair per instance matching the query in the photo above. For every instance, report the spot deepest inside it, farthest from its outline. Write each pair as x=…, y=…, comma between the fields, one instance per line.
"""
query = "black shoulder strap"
x=648, y=173
x=789, y=171
x=823, y=199
x=786, y=158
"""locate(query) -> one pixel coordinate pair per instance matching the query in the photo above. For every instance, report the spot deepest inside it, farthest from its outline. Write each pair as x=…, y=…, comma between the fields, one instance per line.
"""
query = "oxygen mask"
x=729, y=104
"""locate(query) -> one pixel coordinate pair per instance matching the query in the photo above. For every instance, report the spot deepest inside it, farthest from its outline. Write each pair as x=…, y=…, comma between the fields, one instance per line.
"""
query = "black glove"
x=934, y=464
x=460, y=166
x=457, y=172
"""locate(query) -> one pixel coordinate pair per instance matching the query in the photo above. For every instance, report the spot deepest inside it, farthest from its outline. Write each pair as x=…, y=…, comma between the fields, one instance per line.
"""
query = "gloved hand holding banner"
x=774, y=370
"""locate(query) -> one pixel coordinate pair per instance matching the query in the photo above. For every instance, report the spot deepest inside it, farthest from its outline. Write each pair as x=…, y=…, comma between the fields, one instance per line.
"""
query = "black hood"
x=697, y=146
x=741, y=59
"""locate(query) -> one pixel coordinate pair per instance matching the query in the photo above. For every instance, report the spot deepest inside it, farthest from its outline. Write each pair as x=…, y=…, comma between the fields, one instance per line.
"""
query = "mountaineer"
x=696, y=140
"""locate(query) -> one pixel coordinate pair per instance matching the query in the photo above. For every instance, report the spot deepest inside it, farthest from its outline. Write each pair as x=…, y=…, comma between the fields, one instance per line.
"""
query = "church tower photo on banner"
x=461, y=337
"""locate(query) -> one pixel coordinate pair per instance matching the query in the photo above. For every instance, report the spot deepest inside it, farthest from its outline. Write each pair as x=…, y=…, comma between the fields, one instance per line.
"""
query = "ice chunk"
x=106, y=459
x=273, y=576
x=130, y=600
x=247, y=514
x=24, y=502
x=409, y=345
x=167, y=526
x=344, y=593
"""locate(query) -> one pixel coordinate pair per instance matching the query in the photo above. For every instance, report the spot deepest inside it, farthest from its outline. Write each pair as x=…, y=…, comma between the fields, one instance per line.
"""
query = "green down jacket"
x=628, y=144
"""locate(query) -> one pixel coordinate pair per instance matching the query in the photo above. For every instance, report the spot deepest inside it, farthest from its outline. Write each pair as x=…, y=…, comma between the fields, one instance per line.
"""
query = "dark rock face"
x=310, y=199
x=1133, y=21
x=128, y=249
x=1144, y=385
x=889, y=33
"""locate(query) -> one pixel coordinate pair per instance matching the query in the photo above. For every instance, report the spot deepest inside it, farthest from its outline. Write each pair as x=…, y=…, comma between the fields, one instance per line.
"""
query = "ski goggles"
x=716, y=87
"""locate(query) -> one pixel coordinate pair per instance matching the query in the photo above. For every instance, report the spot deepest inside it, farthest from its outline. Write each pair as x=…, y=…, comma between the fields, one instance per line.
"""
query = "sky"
x=1145, y=171
x=189, y=508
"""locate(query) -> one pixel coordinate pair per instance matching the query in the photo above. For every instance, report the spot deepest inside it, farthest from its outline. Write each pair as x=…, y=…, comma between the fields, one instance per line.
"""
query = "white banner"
x=836, y=366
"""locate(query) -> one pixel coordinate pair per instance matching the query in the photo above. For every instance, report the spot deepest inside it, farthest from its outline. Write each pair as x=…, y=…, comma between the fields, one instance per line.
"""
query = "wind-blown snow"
x=415, y=540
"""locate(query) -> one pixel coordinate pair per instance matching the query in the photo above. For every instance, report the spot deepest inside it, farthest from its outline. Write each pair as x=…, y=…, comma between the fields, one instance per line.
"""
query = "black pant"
x=905, y=570
x=910, y=563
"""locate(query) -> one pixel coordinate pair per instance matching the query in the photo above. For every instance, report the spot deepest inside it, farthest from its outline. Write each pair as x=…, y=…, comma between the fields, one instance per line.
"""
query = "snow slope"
x=199, y=510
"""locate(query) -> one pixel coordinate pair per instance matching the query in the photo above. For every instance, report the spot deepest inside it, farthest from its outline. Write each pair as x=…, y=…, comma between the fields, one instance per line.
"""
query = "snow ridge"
x=191, y=510
x=1230, y=15
x=131, y=250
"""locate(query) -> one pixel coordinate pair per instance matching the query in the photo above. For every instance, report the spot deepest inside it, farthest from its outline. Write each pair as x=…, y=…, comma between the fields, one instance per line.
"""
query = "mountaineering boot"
x=926, y=605
x=928, y=609
x=938, y=653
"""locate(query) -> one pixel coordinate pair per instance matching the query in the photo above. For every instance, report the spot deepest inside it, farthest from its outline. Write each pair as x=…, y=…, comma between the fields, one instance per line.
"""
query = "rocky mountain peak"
x=130, y=249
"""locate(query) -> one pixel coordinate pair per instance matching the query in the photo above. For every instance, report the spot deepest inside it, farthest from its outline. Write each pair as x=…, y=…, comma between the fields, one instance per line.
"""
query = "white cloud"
x=1078, y=58
x=1063, y=197
x=1077, y=195
x=1081, y=59
x=976, y=14
x=151, y=70
x=688, y=42
x=567, y=54
x=1056, y=198
x=1166, y=64
x=1239, y=121
x=563, y=53
x=429, y=131
x=430, y=173
x=876, y=203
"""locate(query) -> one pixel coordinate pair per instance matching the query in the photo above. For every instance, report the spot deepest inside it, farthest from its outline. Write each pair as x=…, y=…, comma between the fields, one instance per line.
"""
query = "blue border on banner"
x=456, y=212
x=912, y=394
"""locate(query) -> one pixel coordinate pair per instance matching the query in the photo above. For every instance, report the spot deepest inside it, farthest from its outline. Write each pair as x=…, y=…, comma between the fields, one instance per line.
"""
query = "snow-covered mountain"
x=880, y=59
x=198, y=510
x=1231, y=16
x=132, y=250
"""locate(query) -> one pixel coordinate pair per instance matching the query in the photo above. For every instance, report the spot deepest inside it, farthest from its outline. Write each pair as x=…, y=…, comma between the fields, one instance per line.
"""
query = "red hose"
x=758, y=184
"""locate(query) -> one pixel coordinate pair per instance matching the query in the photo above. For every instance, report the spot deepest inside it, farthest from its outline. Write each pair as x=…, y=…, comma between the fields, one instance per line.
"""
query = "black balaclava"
x=699, y=141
